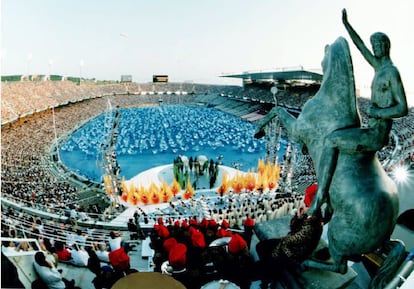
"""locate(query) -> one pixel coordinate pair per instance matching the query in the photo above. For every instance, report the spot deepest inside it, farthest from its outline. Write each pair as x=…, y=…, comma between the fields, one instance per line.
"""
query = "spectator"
x=102, y=252
x=79, y=256
x=62, y=252
x=49, y=274
x=115, y=240
x=223, y=230
x=177, y=259
x=9, y=274
x=94, y=264
x=133, y=229
x=239, y=262
x=73, y=216
x=80, y=238
x=248, y=225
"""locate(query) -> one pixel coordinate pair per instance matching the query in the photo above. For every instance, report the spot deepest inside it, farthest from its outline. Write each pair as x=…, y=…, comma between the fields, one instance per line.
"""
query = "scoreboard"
x=126, y=78
x=160, y=78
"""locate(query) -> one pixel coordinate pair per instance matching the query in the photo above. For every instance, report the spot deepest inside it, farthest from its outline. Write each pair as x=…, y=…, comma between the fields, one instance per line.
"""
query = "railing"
x=32, y=243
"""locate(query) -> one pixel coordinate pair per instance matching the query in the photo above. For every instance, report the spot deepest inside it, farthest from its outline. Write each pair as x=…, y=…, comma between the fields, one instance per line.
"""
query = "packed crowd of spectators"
x=199, y=251
x=28, y=97
x=231, y=215
x=400, y=148
x=25, y=155
x=26, y=146
x=290, y=95
x=25, y=169
x=404, y=128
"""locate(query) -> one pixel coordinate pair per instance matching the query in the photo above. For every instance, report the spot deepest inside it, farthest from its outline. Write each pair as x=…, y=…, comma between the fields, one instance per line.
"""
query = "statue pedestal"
x=313, y=279
x=317, y=279
x=275, y=228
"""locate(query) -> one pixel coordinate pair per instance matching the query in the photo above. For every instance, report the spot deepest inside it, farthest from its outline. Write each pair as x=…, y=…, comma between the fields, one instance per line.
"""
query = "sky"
x=193, y=40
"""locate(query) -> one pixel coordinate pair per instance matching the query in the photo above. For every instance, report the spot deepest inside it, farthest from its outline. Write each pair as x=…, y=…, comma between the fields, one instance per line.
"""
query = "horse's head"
x=334, y=105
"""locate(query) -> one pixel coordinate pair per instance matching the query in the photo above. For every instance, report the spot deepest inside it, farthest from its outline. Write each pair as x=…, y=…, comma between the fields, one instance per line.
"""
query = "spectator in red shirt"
x=62, y=252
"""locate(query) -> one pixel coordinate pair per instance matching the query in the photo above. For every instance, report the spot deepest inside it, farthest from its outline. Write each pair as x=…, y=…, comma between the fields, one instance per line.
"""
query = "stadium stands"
x=37, y=197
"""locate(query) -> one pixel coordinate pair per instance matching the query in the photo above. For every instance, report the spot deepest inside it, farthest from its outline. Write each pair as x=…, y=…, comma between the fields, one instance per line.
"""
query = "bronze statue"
x=388, y=101
x=355, y=188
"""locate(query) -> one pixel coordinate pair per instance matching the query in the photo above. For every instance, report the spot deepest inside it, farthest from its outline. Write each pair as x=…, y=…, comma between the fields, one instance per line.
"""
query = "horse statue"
x=362, y=199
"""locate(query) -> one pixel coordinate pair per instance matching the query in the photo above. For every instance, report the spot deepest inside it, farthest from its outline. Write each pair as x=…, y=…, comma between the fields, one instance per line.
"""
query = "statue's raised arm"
x=368, y=55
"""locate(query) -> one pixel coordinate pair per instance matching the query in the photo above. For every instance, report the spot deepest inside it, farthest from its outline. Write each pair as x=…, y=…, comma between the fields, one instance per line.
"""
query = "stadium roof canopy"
x=281, y=75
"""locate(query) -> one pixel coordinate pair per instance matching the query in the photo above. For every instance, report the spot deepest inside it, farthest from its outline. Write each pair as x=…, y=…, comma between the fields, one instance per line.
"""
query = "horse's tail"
x=389, y=267
x=402, y=274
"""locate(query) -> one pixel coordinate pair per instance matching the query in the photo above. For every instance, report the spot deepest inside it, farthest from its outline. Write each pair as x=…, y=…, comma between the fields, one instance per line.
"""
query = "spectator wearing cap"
x=194, y=222
x=211, y=227
x=223, y=230
x=239, y=262
x=176, y=230
x=161, y=255
x=195, y=248
x=177, y=259
x=195, y=260
x=310, y=192
x=105, y=278
x=158, y=235
x=168, y=244
x=248, y=225
x=163, y=232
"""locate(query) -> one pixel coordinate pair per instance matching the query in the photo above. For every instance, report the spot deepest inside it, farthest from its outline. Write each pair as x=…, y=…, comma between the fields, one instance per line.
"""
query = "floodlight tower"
x=274, y=90
x=81, y=64
x=108, y=145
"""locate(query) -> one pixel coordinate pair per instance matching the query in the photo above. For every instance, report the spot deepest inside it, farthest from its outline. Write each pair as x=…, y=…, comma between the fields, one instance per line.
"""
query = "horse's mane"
x=334, y=106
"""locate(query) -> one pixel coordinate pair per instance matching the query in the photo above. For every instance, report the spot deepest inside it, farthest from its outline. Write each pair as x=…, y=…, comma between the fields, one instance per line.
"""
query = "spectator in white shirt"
x=115, y=240
x=102, y=252
x=80, y=238
x=79, y=256
x=49, y=274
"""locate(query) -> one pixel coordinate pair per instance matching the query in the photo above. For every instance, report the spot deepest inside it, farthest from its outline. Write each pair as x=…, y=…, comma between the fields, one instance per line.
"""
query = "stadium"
x=44, y=202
